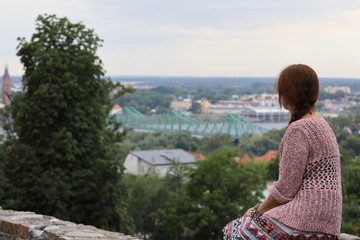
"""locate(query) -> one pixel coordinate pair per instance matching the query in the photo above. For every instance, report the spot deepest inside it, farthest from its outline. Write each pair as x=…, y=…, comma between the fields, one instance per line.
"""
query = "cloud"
x=255, y=52
x=203, y=37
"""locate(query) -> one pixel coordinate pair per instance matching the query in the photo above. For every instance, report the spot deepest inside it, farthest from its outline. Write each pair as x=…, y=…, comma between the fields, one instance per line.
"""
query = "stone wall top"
x=31, y=226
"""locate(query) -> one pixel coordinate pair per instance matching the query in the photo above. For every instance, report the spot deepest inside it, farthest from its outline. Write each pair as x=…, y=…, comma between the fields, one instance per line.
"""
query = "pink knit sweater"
x=309, y=184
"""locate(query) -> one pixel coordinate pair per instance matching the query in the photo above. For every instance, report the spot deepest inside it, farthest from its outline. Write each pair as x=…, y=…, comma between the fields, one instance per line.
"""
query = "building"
x=235, y=104
x=157, y=162
x=199, y=156
x=334, y=105
x=116, y=109
x=266, y=101
x=245, y=158
x=333, y=90
x=266, y=114
x=5, y=94
x=183, y=105
x=268, y=156
x=205, y=105
x=231, y=106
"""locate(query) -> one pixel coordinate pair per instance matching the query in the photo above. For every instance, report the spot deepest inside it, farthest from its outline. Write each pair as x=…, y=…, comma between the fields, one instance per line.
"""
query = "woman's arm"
x=269, y=203
x=293, y=161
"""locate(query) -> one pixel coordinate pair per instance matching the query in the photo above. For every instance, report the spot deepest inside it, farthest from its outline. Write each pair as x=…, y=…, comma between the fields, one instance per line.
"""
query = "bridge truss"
x=175, y=120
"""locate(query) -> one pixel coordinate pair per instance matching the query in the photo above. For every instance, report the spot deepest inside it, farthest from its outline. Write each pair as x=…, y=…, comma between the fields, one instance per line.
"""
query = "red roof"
x=117, y=106
x=198, y=155
x=245, y=158
x=270, y=155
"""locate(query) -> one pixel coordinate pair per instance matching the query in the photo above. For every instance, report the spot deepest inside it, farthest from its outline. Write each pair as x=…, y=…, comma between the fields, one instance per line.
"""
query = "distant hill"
x=224, y=82
x=193, y=82
x=216, y=82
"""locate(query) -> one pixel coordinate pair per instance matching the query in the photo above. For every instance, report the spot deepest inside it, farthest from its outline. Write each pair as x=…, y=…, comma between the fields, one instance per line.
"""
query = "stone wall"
x=345, y=236
x=30, y=226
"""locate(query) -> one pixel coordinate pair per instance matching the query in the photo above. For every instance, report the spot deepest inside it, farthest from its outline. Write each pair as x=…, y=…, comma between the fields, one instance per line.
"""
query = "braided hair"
x=298, y=88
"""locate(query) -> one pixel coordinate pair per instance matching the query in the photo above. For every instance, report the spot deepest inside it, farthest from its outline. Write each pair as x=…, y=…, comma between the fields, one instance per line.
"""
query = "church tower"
x=6, y=87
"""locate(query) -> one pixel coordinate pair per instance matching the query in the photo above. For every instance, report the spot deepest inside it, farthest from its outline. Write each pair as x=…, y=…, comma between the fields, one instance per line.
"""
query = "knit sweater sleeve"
x=294, y=154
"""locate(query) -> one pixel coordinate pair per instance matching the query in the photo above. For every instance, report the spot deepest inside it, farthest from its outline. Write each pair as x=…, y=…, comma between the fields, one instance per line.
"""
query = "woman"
x=306, y=201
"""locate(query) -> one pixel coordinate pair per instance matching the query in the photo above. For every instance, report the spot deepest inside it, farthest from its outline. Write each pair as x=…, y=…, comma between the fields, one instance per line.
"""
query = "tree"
x=325, y=95
x=217, y=191
x=215, y=142
x=147, y=100
x=195, y=107
x=160, y=140
x=259, y=144
x=345, y=125
x=64, y=160
x=352, y=144
x=351, y=195
x=146, y=194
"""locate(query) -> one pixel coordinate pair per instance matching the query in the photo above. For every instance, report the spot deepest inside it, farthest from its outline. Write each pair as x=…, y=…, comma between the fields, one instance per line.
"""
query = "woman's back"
x=309, y=185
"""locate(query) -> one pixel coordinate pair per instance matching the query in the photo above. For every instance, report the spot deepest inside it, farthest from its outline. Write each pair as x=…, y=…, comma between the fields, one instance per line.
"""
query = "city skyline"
x=202, y=38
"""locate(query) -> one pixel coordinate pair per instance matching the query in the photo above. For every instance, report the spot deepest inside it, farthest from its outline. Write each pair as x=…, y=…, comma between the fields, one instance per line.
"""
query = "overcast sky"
x=202, y=37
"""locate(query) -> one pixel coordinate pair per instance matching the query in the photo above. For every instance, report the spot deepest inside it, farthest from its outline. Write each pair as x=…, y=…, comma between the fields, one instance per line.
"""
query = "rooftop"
x=165, y=157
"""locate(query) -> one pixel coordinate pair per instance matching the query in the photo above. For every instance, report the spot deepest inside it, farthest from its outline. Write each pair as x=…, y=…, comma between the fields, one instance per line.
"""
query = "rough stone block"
x=345, y=236
x=9, y=227
x=7, y=238
x=24, y=229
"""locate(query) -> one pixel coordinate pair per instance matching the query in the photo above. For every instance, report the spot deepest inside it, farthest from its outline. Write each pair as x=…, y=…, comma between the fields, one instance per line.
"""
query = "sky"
x=230, y=38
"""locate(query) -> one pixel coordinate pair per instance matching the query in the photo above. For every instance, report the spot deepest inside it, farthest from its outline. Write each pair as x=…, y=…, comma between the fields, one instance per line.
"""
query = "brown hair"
x=298, y=87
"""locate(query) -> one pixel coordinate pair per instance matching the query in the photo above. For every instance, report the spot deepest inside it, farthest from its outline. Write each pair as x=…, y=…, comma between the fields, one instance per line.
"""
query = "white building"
x=334, y=105
x=344, y=89
x=266, y=114
x=156, y=161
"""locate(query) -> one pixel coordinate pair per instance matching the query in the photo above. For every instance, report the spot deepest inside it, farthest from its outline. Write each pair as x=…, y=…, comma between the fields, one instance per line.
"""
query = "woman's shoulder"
x=301, y=123
x=309, y=126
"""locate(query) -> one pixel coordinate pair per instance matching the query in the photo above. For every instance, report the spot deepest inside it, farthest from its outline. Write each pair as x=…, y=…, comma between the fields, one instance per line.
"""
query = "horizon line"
x=205, y=76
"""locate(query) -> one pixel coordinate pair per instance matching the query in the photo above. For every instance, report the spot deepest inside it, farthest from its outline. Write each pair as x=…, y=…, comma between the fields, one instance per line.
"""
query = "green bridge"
x=175, y=120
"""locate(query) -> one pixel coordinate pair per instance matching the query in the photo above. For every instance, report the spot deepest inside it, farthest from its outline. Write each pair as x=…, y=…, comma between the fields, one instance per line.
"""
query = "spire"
x=6, y=87
x=6, y=70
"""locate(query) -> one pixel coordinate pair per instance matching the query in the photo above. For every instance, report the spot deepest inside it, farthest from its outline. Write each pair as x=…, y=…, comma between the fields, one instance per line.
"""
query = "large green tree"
x=64, y=160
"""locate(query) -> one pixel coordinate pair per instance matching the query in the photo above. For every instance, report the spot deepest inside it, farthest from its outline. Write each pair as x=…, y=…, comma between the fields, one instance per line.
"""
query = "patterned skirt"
x=265, y=227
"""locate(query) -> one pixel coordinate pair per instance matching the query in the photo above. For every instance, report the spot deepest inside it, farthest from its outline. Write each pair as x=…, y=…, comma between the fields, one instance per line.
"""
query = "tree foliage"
x=160, y=140
x=195, y=107
x=216, y=142
x=337, y=95
x=352, y=144
x=217, y=191
x=259, y=145
x=351, y=196
x=146, y=195
x=145, y=101
x=347, y=132
x=63, y=160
